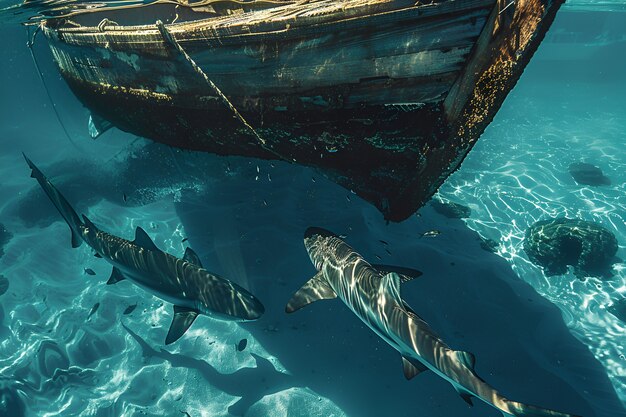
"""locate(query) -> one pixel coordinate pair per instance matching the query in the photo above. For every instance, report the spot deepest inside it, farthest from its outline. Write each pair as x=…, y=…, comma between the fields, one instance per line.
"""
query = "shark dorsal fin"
x=317, y=288
x=143, y=240
x=465, y=358
x=192, y=257
x=410, y=370
x=116, y=276
x=390, y=285
x=406, y=274
x=183, y=318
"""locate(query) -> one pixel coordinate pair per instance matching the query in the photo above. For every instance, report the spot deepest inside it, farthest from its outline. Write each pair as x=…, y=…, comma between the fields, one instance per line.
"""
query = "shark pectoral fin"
x=192, y=257
x=465, y=395
x=390, y=285
x=411, y=370
x=142, y=239
x=116, y=276
x=465, y=358
x=317, y=288
x=183, y=318
x=406, y=274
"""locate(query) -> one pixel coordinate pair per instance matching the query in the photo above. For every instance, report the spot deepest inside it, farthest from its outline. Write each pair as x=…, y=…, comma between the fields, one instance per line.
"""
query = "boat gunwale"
x=151, y=34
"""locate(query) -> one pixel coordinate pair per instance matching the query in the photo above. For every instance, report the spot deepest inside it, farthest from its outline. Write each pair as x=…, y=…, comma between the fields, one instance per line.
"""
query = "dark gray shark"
x=373, y=294
x=183, y=282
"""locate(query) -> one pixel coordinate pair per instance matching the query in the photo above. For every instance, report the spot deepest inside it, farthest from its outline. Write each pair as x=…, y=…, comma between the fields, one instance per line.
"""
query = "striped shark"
x=373, y=293
x=183, y=282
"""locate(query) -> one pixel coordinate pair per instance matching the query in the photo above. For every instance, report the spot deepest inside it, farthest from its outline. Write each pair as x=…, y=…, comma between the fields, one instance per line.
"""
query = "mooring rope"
x=30, y=42
x=173, y=42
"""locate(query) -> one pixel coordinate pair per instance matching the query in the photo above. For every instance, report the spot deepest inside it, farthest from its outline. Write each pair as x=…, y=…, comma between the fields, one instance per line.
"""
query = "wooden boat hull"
x=384, y=97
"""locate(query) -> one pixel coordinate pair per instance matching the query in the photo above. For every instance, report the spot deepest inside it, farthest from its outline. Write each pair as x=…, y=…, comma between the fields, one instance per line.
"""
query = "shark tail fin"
x=59, y=202
x=511, y=408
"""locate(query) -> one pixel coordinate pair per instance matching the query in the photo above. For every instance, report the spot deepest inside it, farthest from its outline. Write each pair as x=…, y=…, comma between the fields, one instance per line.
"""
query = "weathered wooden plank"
x=344, y=57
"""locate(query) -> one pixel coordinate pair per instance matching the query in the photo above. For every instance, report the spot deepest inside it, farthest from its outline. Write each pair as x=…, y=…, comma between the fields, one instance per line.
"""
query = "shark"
x=182, y=282
x=372, y=293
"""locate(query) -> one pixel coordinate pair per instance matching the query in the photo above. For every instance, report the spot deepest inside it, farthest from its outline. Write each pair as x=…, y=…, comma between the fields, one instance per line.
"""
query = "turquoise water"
x=549, y=341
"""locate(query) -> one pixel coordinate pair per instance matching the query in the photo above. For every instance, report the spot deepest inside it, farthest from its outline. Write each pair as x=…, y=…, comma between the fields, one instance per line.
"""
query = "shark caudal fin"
x=512, y=408
x=59, y=202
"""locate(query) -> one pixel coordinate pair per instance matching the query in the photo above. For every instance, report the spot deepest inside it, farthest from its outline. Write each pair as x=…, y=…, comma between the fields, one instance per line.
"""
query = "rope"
x=172, y=41
x=506, y=7
x=30, y=42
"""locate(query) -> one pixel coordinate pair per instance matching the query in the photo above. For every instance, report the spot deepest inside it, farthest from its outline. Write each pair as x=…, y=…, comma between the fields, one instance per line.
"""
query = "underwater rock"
x=451, y=210
x=5, y=236
x=4, y=284
x=588, y=247
x=618, y=309
x=587, y=174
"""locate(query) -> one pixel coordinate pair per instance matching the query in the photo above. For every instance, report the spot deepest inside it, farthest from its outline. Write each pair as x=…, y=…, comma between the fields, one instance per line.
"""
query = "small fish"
x=257, y=169
x=378, y=257
x=272, y=165
x=343, y=236
x=269, y=177
x=431, y=233
x=130, y=309
x=93, y=309
x=242, y=345
x=185, y=413
x=256, y=178
x=383, y=242
x=388, y=251
x=124, y=197
x=348, y=198
x=184, y=240
x=89, y=271
x=264, y=203
x=313, y=179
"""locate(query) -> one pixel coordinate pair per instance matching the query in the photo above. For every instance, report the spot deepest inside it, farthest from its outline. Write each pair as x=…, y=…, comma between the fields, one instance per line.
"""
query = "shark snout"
x=253, y=307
